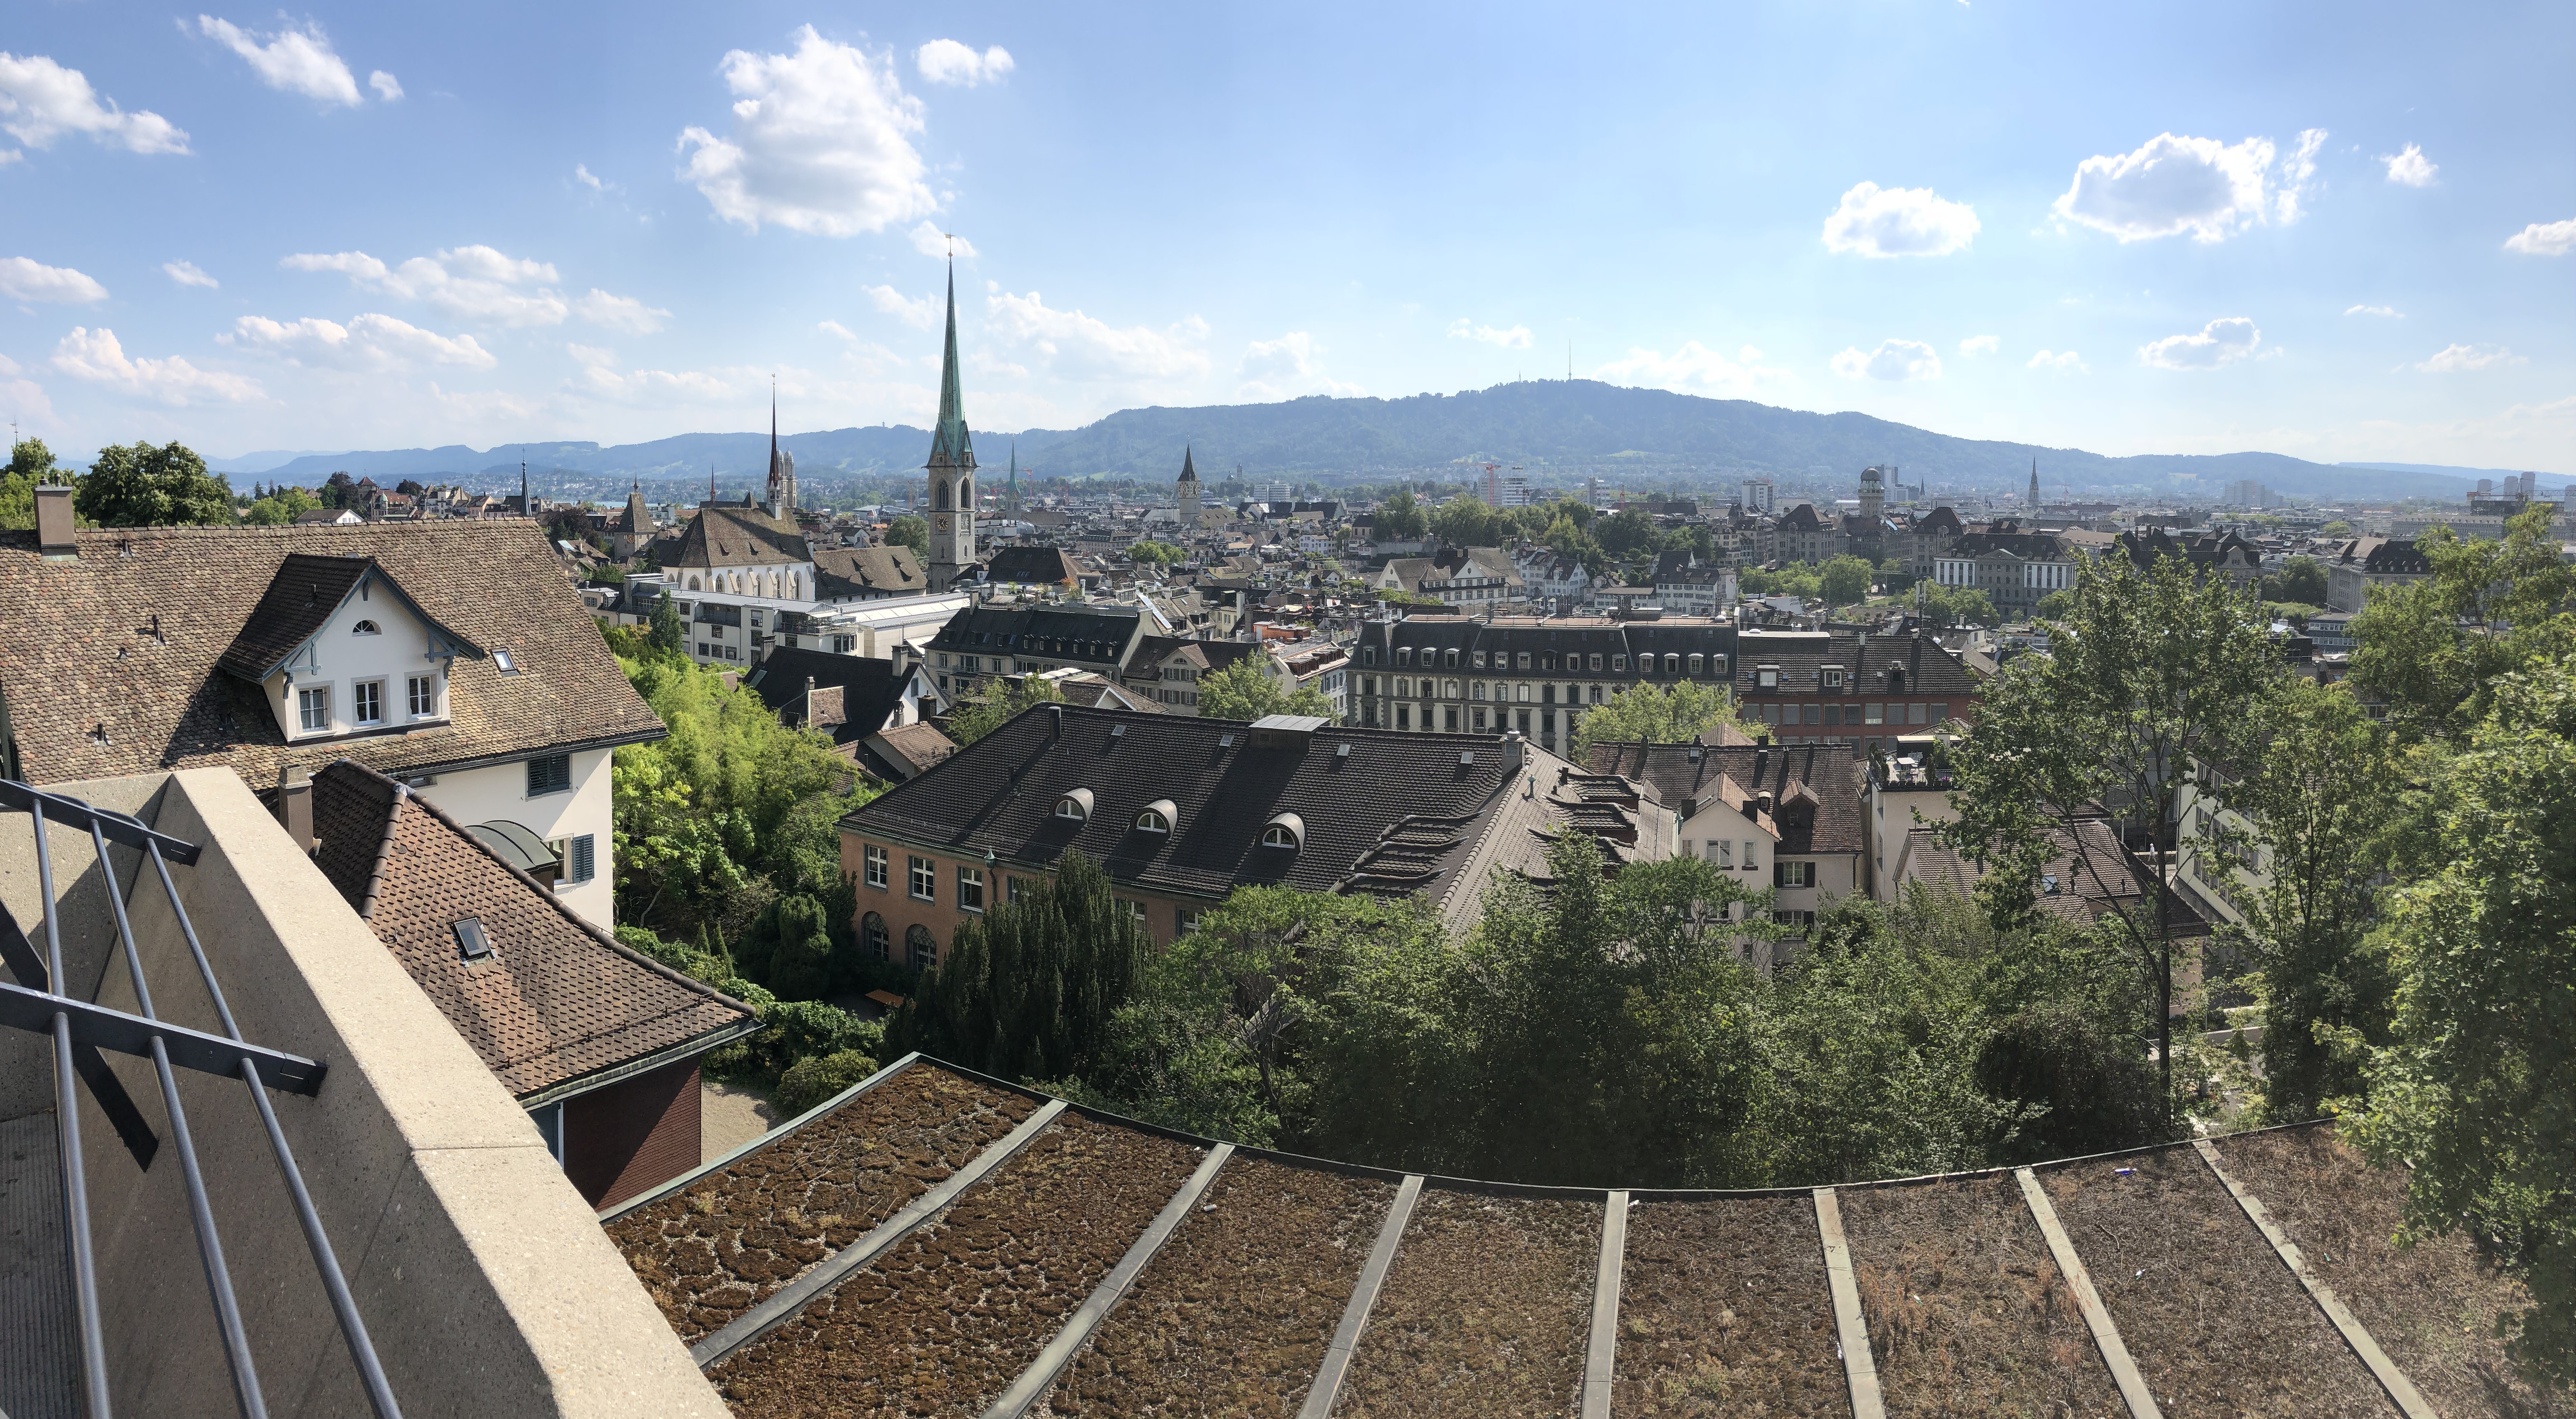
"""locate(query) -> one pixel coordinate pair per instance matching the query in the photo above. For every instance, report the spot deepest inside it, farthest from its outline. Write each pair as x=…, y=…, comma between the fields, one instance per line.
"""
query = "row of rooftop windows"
x=1673, y=662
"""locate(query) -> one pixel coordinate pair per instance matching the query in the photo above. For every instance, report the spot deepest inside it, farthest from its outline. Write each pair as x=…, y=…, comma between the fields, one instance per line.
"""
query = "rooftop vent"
x=471, y=940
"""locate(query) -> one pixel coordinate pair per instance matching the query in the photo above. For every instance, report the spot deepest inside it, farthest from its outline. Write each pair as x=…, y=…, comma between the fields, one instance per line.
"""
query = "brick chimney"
x=295, y=807
x=54, y=537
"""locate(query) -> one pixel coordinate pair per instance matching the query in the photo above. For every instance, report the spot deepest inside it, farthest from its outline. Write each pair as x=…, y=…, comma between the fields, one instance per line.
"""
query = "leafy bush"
x=811, y=1081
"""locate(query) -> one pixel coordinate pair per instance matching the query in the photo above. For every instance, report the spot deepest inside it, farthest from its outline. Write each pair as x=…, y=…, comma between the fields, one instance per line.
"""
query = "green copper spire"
x=950, y=447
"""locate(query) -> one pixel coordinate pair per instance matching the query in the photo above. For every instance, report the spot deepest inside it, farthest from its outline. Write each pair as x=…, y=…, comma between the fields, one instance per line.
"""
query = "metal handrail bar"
x=74, y=813
x=201, y=1209
x=353, y=1327
x=68, y=1140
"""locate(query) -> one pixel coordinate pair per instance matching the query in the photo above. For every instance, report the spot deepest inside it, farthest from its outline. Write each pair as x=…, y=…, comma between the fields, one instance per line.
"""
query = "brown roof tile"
x=557, y=1000
x=114, y=661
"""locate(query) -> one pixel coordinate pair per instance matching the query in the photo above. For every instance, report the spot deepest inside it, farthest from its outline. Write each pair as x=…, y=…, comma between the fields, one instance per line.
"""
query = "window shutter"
x=583, y=861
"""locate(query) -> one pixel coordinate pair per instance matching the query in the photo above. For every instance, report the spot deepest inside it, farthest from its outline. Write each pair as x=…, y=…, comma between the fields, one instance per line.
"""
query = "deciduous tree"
x=139, y=485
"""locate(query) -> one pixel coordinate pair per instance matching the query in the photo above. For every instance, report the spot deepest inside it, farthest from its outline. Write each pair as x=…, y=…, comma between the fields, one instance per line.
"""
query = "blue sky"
x=2335, y=231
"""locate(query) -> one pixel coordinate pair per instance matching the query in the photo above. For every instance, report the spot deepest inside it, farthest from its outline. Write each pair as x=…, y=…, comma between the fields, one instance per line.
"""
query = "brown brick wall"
x=633, y=1135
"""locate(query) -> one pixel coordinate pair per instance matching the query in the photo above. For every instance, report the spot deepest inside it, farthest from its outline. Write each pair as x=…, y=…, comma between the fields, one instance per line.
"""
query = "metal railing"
x=81, y=1029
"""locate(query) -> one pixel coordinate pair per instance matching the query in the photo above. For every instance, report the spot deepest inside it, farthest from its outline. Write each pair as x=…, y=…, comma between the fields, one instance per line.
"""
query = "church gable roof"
x=724, y=535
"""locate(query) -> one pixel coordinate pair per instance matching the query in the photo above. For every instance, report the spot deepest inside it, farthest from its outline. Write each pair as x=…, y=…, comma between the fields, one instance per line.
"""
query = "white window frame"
x=922, y=877
x=307, y=699
x=358, y=702
x=970, y=881
x=421, y=705
x=876, y=867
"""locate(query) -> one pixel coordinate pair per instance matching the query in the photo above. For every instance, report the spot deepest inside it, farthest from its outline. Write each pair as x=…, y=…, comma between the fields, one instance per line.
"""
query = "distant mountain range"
x=1568, y=429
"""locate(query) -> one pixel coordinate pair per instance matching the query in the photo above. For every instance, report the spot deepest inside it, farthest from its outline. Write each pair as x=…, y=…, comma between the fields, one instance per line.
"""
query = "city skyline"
x=2183, y=231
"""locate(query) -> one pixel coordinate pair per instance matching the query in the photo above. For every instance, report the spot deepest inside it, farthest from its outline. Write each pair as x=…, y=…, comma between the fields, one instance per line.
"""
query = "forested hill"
x=1587, y=423
x=1552, y=427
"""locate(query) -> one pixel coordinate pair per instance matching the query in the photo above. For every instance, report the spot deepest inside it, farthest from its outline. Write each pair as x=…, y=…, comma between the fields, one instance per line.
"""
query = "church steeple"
x=2034, y=485
x=951, y=468
x=782, y=466
x=1011, y=489
x=1189, y=490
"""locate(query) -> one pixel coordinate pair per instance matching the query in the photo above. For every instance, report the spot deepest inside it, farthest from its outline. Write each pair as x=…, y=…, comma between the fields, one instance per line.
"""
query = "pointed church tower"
x=1189, y=491
x=952, y=469
x=1011, y=490
x=2034, y=490
x=782, y=467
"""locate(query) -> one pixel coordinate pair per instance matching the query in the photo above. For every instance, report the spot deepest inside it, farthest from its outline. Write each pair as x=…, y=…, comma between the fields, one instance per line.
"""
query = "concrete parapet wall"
x=483, y=1277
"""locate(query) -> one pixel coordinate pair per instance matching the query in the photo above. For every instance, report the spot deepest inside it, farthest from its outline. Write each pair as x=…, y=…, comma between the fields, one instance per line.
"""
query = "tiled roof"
x=1870, y=662
x=298, y=602
x=875, y=571
x=869, y=688
x=735, y=536
x=1152, y=651
x=2105, y=877
x=1066, y=632
x=1034, y=565
x=1815, y=789
x=557, y=1000
x=113, y=665
x=918, y=745
x=1433, y=796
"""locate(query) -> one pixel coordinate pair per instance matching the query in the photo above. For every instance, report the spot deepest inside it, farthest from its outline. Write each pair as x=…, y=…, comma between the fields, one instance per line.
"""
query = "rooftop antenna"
x=526, y=508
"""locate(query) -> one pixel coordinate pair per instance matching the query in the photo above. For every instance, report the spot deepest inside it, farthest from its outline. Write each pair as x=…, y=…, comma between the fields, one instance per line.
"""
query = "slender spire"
x=950, y=446
x=1189, y=471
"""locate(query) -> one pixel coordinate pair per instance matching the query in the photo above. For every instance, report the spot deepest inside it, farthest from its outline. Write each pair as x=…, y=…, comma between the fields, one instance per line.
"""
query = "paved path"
x=730, y=1116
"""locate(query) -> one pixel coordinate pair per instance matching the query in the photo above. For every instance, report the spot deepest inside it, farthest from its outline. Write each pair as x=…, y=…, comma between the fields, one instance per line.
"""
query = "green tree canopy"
x=1468, y=522
x=2301, y=579
x=1845, y=580
x=910, y=530
x=1027, y=989
x=1400, y=519
x=279, y=507
x=138, y=485
x=2148, y=677
x=30, y=463
x=1624, y=531
x=2437, y=649
x=1000, y=701
x=1242, y=691
x=1678, y=713
x=1152, y=553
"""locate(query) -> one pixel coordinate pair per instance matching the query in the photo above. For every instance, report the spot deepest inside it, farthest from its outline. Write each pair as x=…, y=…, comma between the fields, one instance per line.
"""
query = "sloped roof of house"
x=2088, y=874
x=732, y=535
x=557, y=1001
x=114, y=664
x=874, y=571
x=868, y=689
x=299, y=601
x=1815, y=790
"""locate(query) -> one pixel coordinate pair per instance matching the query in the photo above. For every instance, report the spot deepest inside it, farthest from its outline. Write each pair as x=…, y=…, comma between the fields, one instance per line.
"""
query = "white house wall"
x=500, y=793
x=342, y=660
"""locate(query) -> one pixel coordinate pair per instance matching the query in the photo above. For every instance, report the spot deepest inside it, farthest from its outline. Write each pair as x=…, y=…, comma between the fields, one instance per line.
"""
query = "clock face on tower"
x=940, y=523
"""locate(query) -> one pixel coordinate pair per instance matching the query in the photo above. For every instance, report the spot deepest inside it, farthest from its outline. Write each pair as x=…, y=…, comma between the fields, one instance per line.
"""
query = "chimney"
x=295, y=807
x=54, y=523
x=809, y=699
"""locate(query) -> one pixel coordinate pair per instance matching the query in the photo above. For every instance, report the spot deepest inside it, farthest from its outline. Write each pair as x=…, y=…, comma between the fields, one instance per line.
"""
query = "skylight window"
x=507, y=663
x=471, y=941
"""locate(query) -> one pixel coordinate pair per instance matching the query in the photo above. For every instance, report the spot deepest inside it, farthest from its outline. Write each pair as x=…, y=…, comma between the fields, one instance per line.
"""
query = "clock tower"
x=952, y=471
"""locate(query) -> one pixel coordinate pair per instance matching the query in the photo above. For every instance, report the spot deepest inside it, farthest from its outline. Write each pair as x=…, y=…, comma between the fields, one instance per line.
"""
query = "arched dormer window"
x=366, y=628
x=1157, y=817
x=1286, y=830
x=1075, y=806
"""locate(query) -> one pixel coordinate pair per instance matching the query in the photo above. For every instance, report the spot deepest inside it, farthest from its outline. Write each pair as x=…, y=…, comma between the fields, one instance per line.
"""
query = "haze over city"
x=2338, y=233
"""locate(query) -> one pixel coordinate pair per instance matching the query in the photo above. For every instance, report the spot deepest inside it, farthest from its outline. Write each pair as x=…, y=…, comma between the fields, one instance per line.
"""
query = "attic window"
x=471, y=941
x=1466, y=757
x=1075, y=806
x=505, y=662
x=1157, y=817
x=1287, y=830
x=1225, y=741
x=366, y=628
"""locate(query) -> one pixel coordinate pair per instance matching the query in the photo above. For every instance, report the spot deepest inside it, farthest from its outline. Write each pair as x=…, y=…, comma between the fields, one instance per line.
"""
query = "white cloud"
x=1290, y=357
x=297, y=61
x=2295, y=174
x=622, y=313
x=581, y=173
x=2455, y=358
x=591, y=355
x=41, y=100
x=662, y=386
x=387, y=87
x=95, y=355
x=2060, y=360
x=1076, y=346
x=1694, y=369
x=1515, y=338
x=1892, y=360
x=475, y=282
x=2544, y=239
x=834, y=327
x=186, y=273
x=921, y=314
x=2220, y=342
x=1898, y=221
x=945, y=61
x=929, y=240
x=370, y=342
x=2389, y=311
x=25, y=280
x=1980, y=345
x=821, y=143
x=2173, y=185
x=2411, y=168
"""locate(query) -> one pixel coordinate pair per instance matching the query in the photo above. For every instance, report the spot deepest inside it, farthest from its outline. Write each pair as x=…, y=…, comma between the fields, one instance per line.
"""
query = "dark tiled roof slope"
x=874, y=571
x=112, y=661
x=1033, y=565
x=721, y=536
x=296, y=603
x=1075, y=632
x=557, y=1000
x=870, y=688
x=2094, y=874
x=1001, y=792
x=1868, y=659
x=1824, y=778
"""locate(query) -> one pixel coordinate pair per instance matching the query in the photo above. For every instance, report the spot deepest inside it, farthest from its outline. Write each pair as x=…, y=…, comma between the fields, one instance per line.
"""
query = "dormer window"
x=1157, y=817
x=1768, y=677
x=313, y=709
x=1451, y=659
x=366, y=628
x=1618, y=662
x=1833, y=677
x=1404, y=655
x=1287, y=830
x=1075, y=806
